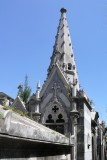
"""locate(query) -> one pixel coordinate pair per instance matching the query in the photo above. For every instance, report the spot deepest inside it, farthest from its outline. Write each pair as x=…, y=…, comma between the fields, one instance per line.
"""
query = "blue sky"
x=27, y=35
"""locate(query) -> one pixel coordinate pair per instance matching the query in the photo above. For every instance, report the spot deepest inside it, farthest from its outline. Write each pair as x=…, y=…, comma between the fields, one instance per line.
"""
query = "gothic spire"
x=38, y=90
x=63, y=52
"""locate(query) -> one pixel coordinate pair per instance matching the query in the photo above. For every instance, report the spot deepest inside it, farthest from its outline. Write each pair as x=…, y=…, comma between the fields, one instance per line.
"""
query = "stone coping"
x=16, y=125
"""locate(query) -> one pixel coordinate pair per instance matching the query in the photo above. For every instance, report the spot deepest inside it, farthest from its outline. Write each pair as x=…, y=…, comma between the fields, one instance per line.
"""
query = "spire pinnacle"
x=63, y=10
x=38, y=85
x=63, y=51
x=38, y=90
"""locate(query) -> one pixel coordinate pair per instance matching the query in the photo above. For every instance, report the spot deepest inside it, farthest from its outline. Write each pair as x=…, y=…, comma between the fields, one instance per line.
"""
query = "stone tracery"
x=55, y=117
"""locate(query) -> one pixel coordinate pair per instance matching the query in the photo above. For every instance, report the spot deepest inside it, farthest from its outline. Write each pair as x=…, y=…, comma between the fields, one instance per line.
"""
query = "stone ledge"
x=15, y=125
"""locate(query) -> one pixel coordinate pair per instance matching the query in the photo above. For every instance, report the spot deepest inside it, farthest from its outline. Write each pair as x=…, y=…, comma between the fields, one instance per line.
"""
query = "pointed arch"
x=55, y=117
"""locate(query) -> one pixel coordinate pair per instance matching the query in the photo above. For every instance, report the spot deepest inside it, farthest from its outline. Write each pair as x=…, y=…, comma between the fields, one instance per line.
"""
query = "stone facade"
x=5, y=99
x=62, y=106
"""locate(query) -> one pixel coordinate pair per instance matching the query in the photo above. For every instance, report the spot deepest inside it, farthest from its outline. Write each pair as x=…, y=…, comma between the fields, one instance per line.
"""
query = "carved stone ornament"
x=54, y=109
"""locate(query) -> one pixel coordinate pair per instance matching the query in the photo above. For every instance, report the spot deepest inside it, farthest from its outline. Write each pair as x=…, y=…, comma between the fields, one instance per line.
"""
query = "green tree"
x=26, y=91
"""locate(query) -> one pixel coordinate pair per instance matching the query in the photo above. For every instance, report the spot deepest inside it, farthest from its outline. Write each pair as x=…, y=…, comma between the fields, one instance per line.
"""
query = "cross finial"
x=63, y=10
x=55, y=87
x=20, y=89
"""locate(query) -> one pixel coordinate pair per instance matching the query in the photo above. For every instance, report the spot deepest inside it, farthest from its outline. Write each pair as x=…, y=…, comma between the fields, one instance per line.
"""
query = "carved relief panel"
x=55, y=117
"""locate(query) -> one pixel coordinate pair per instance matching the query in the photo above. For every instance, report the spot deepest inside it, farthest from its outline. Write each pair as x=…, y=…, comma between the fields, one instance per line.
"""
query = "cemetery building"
x=5, y=99
x=63, y=106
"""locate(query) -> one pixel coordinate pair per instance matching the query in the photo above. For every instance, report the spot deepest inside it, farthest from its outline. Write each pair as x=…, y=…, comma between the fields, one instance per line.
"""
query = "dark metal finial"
x=63, y=10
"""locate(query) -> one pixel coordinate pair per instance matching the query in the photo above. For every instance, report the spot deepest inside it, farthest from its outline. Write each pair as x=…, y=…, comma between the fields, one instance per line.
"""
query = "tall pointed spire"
x=63, y=52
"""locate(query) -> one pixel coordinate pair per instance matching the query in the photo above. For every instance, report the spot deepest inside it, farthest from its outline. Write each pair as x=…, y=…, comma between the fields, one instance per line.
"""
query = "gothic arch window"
x=69, y=66
x=49, y=120
x=60, y=119
x=55, y=117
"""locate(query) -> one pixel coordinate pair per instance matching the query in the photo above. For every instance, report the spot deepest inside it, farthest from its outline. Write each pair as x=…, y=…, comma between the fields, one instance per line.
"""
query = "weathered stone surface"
x=16, y=125
x=22, y=137
x=19, y=104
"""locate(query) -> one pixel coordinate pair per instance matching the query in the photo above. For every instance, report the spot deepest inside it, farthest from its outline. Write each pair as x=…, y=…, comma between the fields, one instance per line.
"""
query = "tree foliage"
x=25, y=91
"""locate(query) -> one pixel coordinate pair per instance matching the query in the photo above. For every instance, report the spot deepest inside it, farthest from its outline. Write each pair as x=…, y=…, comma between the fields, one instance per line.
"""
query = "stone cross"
x=55, y=87
x=55, y=109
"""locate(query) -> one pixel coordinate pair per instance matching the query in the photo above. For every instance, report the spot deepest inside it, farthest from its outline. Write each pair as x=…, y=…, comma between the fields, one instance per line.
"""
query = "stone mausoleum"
x=62, y=106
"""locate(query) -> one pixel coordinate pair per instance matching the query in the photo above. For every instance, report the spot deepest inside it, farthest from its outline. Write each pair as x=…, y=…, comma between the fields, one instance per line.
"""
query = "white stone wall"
x=87, y=134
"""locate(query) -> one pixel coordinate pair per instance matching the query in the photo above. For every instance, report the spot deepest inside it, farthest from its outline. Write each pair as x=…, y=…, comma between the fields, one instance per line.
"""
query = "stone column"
x=74, y=116
x=36, y=113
